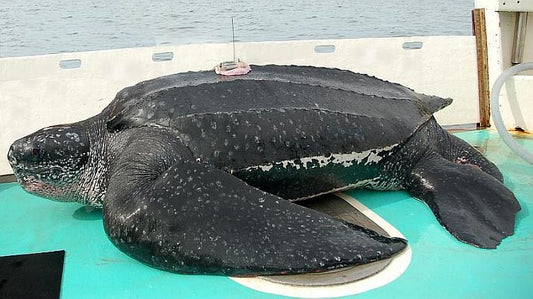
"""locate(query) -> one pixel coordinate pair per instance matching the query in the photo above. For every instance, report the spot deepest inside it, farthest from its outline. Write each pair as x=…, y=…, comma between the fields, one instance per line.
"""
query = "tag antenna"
x=233, y=37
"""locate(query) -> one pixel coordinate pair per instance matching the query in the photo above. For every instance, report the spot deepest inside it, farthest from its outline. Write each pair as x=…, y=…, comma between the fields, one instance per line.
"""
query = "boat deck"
x=441, y=266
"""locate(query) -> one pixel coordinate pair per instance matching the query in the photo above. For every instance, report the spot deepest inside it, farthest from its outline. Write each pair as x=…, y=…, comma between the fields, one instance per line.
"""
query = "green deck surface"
x=441, y=266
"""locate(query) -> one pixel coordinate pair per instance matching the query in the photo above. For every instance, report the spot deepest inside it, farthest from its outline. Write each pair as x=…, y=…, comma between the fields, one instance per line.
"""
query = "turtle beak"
x=18, y=153
x=11, y=157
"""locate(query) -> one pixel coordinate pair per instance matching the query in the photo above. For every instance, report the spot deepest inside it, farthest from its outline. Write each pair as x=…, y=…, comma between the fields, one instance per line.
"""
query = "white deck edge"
x=395, y=269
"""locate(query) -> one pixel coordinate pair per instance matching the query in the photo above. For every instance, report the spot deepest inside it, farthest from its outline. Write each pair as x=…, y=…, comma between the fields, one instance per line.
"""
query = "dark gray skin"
x=192, y=169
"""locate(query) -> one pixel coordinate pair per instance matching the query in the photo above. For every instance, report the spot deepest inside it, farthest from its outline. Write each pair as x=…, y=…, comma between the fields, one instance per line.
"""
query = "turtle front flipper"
x=471, y=204
x=192, y=218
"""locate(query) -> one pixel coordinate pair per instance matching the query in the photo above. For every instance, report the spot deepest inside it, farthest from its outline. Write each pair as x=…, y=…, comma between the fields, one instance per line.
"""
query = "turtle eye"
x=35, y=154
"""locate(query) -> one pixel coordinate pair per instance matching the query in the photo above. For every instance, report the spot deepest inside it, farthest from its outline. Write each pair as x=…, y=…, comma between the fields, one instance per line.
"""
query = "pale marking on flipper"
x=424, y=181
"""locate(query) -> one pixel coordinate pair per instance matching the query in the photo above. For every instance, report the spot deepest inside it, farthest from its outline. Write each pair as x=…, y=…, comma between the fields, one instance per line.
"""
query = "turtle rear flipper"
x=192, y=218
x=459, y=151
x=471, y=204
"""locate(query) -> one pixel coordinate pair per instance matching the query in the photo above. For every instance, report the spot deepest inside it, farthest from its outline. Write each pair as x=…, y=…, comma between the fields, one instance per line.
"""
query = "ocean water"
x=54, y=26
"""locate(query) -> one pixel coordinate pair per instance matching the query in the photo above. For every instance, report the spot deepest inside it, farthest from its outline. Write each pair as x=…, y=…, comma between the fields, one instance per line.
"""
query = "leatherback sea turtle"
x=192, y=169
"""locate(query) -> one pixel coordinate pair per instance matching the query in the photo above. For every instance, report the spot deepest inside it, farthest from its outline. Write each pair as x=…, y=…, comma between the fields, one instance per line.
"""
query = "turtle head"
x=51, y=161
